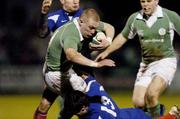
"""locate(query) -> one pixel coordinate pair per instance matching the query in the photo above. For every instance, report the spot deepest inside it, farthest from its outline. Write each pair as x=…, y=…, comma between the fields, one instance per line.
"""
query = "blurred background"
x=22, y=53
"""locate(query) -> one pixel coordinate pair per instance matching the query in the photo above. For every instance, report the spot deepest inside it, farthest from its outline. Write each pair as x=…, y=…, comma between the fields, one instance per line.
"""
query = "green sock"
x=154, y=112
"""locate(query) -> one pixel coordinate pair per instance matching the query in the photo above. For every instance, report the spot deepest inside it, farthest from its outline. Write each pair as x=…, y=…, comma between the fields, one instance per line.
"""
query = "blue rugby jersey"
x=108, y=108
x=60, y=17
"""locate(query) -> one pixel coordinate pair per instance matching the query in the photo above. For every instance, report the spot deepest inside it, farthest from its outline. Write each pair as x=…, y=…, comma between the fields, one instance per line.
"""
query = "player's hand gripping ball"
x=98, y=38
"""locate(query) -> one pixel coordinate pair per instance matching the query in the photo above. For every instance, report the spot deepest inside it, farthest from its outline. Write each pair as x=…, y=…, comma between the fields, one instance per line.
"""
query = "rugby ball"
x=98, y=37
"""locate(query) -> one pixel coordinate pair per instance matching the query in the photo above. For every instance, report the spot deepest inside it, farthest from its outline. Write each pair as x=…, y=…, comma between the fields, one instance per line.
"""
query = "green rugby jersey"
x=67, y=36
x=155, y=34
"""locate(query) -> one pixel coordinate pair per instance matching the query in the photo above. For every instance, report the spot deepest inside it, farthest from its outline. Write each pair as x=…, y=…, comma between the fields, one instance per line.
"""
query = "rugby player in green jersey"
x=70, y=10
x=155, y=28
x=64, y=50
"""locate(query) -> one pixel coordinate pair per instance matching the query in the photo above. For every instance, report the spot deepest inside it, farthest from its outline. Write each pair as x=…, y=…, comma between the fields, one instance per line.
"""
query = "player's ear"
x=82, y=110
x=81, y=21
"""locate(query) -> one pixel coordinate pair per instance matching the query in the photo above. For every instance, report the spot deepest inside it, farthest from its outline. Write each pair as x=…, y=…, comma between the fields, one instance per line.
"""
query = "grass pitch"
x=23, y=106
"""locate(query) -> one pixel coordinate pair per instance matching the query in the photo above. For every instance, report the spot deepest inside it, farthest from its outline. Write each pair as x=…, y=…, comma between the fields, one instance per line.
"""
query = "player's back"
x=106, y=108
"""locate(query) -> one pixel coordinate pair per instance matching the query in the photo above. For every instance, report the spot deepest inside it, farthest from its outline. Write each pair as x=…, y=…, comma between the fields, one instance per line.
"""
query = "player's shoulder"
x=70, y=30
x=172, y=15
x=133, y=16
x=71, y=27
x=169, y=12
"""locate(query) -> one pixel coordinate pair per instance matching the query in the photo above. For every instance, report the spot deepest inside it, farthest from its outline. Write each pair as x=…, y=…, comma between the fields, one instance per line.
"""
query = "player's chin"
x=88, y=36
x=147, y=12
x=75, y=8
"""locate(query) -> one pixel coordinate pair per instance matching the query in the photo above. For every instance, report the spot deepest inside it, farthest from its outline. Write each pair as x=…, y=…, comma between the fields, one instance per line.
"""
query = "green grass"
x=23, y=106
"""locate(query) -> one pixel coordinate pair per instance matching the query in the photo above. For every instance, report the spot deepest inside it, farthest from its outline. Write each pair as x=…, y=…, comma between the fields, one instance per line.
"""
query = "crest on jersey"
x=162, y=31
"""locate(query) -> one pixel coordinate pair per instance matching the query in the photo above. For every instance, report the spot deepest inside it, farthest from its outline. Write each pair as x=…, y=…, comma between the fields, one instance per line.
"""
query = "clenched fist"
x=45, y=6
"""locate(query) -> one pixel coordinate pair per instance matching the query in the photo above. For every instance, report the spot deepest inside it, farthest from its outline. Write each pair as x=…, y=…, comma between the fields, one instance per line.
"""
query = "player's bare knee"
x=138, y=102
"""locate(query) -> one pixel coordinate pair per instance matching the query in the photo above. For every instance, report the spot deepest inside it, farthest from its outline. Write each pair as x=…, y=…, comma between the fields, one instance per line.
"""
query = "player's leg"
x=139, y=96
x=47, y=100
x=140, y=87
x=51, y=92
x=156, y=87
x=162, y=73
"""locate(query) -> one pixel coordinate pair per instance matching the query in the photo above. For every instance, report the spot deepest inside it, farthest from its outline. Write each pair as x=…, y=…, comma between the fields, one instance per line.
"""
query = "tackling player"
x=95, y=103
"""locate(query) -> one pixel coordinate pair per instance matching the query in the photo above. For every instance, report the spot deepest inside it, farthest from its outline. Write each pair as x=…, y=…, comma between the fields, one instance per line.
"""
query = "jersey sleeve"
x=70, y=42
x=175, y=19
x=43, y=30
x=93, y=87
x=70, y=38
x=52, y=19
x=129, y=32
x=101, y=26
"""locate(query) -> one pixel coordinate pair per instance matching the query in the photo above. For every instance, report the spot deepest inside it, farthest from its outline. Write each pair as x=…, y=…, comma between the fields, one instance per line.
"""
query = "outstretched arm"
x=116, y=44
x=76, y=57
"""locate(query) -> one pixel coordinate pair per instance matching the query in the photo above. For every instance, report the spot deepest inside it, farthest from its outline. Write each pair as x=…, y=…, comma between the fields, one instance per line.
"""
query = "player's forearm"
x=43, y=26
x=116, y=44
x=78, y=58
x=43, y=30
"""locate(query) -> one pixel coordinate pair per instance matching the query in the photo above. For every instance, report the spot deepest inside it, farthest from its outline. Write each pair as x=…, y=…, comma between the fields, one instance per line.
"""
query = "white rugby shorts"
x=164, y=68
x=53, y=81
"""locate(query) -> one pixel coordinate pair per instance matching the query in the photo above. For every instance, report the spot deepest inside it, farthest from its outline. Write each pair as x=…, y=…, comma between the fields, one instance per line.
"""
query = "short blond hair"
x=90, y=13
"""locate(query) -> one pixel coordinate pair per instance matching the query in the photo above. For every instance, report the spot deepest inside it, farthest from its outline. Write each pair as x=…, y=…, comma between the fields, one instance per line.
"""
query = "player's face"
x=70, y=5
x=83, y=111
x=88, y=27
x=149, y=6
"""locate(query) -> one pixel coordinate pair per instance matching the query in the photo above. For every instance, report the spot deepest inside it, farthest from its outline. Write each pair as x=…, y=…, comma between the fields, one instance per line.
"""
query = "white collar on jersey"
x=152, y=19
x=157, y=13
x=77, y=26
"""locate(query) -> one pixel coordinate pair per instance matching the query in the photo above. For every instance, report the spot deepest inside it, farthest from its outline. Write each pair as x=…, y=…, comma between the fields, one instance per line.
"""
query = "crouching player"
x=95, y=103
